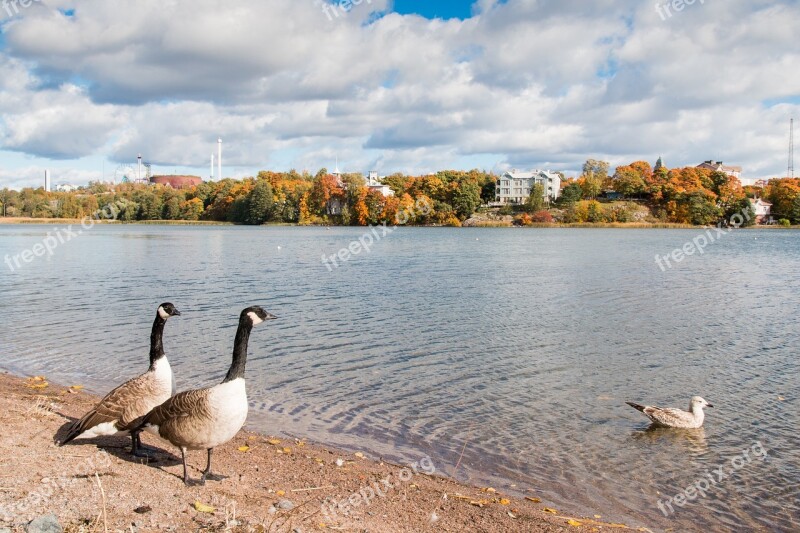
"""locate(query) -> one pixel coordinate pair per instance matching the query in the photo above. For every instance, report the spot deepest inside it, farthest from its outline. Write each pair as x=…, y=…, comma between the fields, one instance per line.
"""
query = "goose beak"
x=270, y=316
x=176, y=313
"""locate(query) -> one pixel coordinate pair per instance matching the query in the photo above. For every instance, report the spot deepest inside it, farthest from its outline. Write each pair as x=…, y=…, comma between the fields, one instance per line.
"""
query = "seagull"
x=676, y=418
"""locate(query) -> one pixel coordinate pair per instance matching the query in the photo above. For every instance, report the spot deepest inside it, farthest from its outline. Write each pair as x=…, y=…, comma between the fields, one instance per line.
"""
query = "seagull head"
x=699, y=402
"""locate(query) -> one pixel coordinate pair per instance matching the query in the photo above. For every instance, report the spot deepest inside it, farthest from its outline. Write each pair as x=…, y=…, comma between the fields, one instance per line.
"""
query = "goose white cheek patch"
x=163, y=314
x=255, y=318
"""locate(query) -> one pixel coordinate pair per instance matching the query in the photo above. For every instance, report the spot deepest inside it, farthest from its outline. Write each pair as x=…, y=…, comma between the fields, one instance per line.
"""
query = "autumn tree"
x=593, y=178
x=631, y=180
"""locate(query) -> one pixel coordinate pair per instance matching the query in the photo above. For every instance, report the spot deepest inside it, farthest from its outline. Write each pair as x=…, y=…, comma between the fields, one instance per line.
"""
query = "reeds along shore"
x=273, y=483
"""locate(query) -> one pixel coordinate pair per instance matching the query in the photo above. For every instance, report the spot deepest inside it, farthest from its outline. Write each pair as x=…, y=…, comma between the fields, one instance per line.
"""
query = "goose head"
x=698, y=403
x=167, y=310
x=256, y=315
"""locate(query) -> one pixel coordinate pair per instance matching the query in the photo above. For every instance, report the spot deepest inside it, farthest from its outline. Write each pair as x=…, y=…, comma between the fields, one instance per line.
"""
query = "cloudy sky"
x=408, y=86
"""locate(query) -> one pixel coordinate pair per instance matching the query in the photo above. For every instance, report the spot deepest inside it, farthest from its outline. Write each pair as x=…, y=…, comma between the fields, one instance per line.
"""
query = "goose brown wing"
x=182, y=405
x=120, y=406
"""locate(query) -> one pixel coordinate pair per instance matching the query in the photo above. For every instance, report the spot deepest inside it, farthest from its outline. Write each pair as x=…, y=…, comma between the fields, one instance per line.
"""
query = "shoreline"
x=274, y=483
x=18, y=221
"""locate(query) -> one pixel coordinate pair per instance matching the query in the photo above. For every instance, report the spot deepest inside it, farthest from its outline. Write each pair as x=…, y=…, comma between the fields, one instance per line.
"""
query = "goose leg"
x=207, y=472
x=185, y=474
x=137, y=449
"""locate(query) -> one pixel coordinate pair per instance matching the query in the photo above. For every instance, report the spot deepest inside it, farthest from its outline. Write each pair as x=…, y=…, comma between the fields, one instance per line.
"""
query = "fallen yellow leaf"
x=598, y=516
x=359, y=455
x=489, y=489
x=479, y=503
x=287, y=450
x=274, y=442
x=281, y=493
x=551, y=511
x=203, y=508
x=39, y=385
x=77, y=387
x=38, y=378
x=534, y=500
x=244, y=448
x=574, y=523
x=505, y=501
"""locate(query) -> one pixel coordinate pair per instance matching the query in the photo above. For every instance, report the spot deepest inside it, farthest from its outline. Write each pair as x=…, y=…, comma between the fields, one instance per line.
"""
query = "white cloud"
x=522, y=83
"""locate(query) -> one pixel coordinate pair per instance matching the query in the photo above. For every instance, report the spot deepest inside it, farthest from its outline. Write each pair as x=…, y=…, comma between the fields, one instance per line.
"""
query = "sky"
x=393, y=86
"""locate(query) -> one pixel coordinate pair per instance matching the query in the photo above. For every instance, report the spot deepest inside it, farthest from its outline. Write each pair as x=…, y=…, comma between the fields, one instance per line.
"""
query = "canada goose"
x=676, y=418
x=202, y=419
x=122, y=409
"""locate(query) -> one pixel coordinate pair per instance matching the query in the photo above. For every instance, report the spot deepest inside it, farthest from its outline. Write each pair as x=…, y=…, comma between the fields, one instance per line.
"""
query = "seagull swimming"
x=676, y=418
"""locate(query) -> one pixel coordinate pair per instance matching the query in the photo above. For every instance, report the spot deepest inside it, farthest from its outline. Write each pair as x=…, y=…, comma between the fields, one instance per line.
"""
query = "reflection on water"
x=517, y=347
x=689, y=441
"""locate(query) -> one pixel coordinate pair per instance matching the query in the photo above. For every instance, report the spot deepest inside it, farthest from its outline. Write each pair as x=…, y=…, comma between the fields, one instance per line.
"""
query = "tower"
x=46, y=181
x=139, y=168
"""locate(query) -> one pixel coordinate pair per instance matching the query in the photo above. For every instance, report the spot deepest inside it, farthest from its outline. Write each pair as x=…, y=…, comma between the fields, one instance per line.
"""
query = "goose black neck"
x=240, y=350
x=156, y=345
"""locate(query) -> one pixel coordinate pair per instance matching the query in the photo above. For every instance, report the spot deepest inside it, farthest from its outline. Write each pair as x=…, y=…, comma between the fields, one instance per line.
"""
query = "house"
x=374, y=184
x=763, y=211
x=66, y=187
x=717, y=166
x=514, y=187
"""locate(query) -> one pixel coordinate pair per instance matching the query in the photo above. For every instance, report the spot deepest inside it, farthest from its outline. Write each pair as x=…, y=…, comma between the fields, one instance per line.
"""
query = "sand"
x=273, y=484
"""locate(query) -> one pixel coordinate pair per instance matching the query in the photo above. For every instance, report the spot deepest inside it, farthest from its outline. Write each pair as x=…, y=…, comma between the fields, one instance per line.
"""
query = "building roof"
x=518, y=175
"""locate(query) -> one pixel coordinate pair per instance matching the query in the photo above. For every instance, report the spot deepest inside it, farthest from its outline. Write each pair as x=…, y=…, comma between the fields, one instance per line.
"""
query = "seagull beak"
x=709, y=405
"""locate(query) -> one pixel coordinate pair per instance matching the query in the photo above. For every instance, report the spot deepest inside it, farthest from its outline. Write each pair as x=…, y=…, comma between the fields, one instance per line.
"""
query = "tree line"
x=688, y=195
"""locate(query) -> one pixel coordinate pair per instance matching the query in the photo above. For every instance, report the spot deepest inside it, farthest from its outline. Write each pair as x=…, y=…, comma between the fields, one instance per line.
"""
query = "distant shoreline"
x=16, y=221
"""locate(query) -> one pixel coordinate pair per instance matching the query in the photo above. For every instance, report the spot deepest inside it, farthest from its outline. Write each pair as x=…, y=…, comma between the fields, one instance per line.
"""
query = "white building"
x=374, y=184
x=717, y=166
x=514, y=187
x=763, y=211
x=66, y=187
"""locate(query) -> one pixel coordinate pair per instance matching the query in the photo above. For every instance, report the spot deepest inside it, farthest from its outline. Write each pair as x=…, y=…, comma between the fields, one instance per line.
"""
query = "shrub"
x=784, y=222
x=542, y=217
x=523, y=219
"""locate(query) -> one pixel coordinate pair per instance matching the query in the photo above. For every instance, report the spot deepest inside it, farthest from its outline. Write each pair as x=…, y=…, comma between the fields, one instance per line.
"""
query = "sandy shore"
x=272, y=484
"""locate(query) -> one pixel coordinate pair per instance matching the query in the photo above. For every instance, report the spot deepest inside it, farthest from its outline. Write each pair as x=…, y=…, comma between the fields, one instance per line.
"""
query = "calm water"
x=518, y=347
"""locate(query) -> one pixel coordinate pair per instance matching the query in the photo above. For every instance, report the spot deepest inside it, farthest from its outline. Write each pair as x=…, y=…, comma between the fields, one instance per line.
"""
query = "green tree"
x=535, y=201
x=571, y=194
x=259, y=204
x=702, y=209
x=795, y=213
x=466, y=198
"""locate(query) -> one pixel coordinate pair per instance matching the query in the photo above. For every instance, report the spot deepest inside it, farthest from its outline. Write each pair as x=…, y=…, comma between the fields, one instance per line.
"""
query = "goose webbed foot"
x=139, y=450
x=207, y=472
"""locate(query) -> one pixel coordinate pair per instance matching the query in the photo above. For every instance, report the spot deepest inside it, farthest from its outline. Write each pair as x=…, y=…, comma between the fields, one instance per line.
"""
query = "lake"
x=507, y=352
